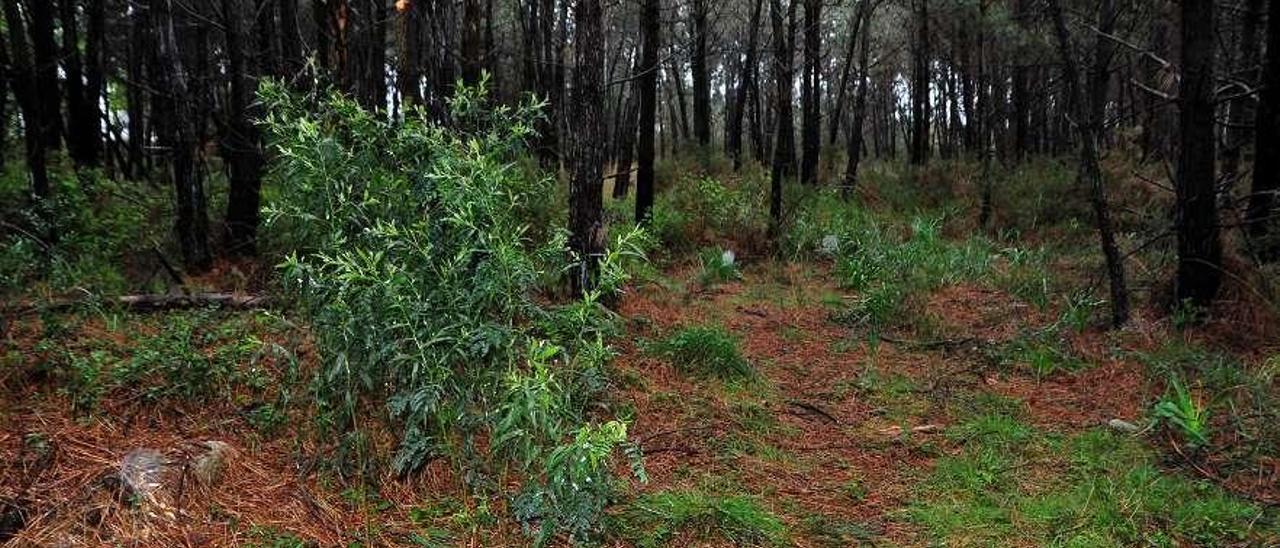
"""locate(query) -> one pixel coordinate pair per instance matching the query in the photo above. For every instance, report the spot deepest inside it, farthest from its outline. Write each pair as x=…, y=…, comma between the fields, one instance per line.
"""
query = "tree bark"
x=745, y=83
x=23, y=79
x=811, y=133
x=854, y=155
x=784, y=140
x=176, y=115
x=1240, y=111
x=1091, y=111
x=95, y=59
x=701, y=80
x=920, y=111
x=45, y=55
x=241, y=146
x=1260, y=217
x=1196, y=216
x=647, y=88
x=586, y=223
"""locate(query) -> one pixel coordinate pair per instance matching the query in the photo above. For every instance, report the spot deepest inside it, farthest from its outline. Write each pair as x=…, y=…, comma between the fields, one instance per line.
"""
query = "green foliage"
x=718, y=266
x=656, y=519
x=426, y=286
x=1185, y=413
x=1097, y=488
x=885, y=261
x=699, y=209
x=705, y=350
x=77, y=238
x=196, y=355
x=1043, y=352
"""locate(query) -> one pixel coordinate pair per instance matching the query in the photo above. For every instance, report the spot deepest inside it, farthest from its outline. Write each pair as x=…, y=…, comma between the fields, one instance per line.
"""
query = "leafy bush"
x=95, y=222
x=415, y=264
x=705, y=350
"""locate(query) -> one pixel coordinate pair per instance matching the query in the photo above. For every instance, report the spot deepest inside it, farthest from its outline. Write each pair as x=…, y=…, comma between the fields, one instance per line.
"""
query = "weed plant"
x=414, y=260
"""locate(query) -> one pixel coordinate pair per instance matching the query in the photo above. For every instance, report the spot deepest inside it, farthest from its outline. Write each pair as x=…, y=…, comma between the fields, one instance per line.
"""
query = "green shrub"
x=718, y=266
x=414, y=261
x=705, y=350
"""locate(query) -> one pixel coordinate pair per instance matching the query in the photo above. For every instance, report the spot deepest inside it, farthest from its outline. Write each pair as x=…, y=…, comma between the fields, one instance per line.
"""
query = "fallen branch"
x=813, y=409
x=149, y=303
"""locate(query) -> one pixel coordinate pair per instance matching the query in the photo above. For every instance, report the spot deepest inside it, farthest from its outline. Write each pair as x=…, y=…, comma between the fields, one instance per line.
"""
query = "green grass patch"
x=1011, y=484
x=656, y=519
x=706, y=351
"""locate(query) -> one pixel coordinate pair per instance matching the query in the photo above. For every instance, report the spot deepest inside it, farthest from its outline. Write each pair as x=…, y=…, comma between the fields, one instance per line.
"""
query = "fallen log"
x=149, y=303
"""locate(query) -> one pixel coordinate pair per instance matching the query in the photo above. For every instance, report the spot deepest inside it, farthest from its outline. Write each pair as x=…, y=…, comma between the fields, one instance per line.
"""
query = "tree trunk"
x=745, y=81
x=292, y=58
x=920, y=111
x=811, y=134
x=77, y=125
x=701, y=81
x=95, y=57
x=854, y=155
x=45, y=55
x=472, y=41
x=784, y=140
x=23, y=79
x=1266, y=170
x=837, y=108
x=1091, y=111
x=240, y=143
x=586, y=224
x=176, y=116
x=1196, y=215
x=1241, y=111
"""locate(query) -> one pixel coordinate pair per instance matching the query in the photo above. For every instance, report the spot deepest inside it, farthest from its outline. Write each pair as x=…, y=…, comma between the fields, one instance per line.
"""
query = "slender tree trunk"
x=77, y=124
x=95, y=57
x=1240, y=111
x=837, y=108
x=784, y=140
x=810, y=92
x=241, y=143
x=745, y=83
x=292, y=58
x=176, y=115
x=472, y=41
x=854, y=157
x=1196, y=215
x=1091, y=111
x=648, y=90
x=45, y=53
x=586, y=224
x=139, y=26
x=23, y=78
x=1260, y=217
x=920, y=88
x=701, y=80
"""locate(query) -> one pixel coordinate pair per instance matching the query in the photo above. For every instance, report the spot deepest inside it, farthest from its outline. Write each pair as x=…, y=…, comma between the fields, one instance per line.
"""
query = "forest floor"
x=985, y=409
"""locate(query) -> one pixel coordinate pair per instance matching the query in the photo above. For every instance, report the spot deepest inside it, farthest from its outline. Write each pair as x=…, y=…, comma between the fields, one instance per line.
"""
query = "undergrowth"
x=705, y=350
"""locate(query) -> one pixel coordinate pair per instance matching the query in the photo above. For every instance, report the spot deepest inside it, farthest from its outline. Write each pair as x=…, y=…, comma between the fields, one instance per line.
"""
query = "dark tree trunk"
x=1266, y=170
x=472, y=41
x=22, y=77
x=811, y=134
x=240, y=143
x=862, y=31
x=176, y=116
x=95, y=59
x=586, y=224
x=784, y=135
x=1019, y=99
x=1196, y=215
x=837, y=108
x=677, y=78
x=920, y=111
x=1090, y=109
x=1240, y=111
x=733, y=135
x=292, y=58
x=701, y=80
x=45, y=54
x=139, y=49
x=78, y=120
